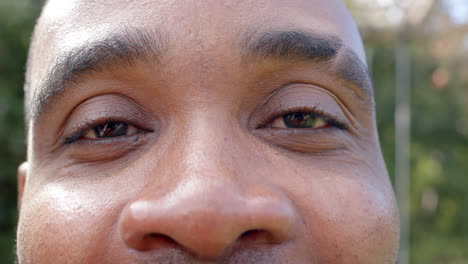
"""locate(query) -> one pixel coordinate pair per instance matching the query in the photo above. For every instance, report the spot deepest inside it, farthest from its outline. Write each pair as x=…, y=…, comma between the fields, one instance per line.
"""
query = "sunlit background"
x=417, y=52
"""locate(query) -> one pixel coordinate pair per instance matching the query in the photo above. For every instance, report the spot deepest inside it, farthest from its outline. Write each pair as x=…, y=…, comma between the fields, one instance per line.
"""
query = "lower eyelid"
x=106, y=150
x=110, y=141
x=303, y=140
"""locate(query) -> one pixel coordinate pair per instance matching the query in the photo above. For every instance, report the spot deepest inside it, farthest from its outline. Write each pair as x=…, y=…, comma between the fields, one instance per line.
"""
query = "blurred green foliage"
x=439, y=151
x=17, y=19
x=439, y=148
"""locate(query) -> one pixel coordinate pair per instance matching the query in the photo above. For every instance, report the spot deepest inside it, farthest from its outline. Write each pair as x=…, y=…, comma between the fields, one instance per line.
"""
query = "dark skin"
x=202, y=132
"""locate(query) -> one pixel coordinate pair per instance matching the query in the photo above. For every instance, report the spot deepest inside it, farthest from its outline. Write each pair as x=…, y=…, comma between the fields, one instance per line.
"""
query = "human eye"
x=304, y=130
x=104, y=130
x=299, y=120
x=305, y=119
x=110, y=130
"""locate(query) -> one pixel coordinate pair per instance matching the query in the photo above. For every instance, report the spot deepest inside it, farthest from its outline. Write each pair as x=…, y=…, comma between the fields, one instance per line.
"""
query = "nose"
x=207, y=218
x=208, y=195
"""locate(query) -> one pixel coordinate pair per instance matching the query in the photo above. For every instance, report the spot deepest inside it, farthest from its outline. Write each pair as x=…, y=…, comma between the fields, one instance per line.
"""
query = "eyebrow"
x=292, y=46
x=129, y=46
x=124, y=48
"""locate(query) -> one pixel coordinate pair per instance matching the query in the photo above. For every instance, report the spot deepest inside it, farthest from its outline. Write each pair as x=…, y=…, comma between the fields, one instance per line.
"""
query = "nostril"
x=155, y=240
x=161, y=237
x=257, y=236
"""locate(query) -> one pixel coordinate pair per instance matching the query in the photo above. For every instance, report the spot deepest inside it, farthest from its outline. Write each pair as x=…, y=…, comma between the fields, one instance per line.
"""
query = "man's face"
x=202, y=132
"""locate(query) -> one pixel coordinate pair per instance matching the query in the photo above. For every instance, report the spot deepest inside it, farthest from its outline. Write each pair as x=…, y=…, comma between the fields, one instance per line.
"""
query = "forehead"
x=212, y=24
x=233, y=12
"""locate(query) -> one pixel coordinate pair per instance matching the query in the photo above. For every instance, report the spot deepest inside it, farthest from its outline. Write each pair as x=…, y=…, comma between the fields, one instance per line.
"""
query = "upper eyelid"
x=301, y=97
x=103, y=108
x=107, y=105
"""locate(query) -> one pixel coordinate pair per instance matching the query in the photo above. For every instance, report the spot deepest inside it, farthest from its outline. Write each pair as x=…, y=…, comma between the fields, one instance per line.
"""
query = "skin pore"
x=202, y=132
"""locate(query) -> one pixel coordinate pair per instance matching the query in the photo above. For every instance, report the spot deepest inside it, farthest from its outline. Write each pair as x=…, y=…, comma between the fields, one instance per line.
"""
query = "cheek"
x=349, y=221
x=62, y=225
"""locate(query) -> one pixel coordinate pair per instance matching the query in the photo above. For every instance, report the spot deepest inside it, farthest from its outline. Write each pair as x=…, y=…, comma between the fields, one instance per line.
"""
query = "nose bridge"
x=215, y=200
x=208, y=142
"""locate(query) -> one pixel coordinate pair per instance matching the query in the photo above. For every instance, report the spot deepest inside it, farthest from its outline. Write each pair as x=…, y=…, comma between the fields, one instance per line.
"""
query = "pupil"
x=111, y=129
x=299, y=120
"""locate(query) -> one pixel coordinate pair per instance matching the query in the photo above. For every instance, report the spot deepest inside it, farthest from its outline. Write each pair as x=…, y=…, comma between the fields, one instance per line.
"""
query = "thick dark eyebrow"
x=128, y=47
x=121, y=49
x=292, y=46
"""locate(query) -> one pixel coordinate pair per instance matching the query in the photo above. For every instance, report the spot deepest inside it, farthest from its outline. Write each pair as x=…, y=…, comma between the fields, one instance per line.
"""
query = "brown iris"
x=111, y=129
x=299, y=120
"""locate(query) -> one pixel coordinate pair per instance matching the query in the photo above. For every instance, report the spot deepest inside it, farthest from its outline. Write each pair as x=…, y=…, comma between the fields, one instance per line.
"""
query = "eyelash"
x=85, y=127
x=332, y=120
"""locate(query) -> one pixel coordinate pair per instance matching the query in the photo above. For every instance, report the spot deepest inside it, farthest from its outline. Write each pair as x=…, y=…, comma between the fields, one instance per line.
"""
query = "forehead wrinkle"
x=123, y=48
